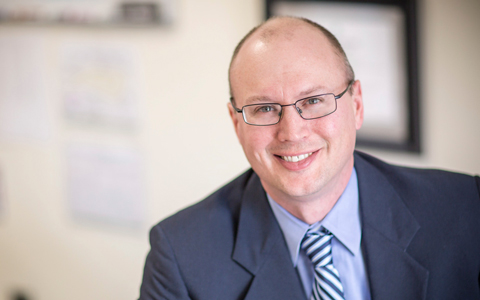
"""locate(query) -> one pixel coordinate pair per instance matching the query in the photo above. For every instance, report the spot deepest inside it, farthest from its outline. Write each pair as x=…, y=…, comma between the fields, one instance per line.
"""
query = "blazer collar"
x=388, y=227
x=261, y=249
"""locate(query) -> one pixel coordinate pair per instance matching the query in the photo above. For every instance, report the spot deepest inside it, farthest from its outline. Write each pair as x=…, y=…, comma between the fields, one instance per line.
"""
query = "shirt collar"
x=343, y=221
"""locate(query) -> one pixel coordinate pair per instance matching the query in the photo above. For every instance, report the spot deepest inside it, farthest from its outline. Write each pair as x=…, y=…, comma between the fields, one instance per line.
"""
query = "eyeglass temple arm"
x=343, y=93
x=236, y=109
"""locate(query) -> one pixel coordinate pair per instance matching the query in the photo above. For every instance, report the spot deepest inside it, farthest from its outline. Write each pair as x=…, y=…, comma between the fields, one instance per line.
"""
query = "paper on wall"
x=23, y=103
x=99, y=85
x=106, y=184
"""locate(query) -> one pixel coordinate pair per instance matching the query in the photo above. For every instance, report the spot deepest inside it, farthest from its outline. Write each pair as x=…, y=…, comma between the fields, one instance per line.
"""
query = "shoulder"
x=410, y=178
x=424, y=189
x=216, y=212
x=182, y=244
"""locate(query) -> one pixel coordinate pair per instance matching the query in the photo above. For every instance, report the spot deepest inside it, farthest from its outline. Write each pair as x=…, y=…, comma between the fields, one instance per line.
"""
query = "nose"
x=292, y=127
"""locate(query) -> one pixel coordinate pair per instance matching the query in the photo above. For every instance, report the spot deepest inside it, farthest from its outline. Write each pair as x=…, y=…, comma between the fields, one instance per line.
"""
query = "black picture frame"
x=411, y=141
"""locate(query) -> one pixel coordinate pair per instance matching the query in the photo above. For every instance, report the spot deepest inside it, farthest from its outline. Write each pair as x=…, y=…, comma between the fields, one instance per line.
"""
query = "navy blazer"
x=420, y=240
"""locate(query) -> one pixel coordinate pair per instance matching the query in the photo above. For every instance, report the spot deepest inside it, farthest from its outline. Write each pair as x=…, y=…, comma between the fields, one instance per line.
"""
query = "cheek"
x=253, y=139
x=327, y=127
x=258, y=143
x=338, y=128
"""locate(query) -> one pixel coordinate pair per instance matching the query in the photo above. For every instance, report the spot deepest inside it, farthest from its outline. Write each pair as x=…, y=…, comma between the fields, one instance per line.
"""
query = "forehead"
x=287, y=60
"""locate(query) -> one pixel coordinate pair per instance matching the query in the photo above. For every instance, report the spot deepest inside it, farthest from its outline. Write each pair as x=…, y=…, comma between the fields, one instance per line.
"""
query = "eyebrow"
x=313, y=91
x=258, y=99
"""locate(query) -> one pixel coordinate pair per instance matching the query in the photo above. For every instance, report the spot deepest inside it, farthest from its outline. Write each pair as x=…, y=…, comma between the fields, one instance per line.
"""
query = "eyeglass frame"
x=294, y=104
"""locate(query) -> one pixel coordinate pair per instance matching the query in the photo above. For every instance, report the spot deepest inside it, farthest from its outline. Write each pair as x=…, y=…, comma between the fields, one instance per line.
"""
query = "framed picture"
x=380, y=40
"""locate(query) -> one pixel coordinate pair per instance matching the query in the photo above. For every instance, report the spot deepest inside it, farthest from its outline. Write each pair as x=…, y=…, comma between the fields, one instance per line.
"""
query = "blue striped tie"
x=327, y=283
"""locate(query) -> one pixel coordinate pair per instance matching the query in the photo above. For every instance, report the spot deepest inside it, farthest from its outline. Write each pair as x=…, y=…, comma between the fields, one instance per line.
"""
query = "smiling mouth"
x=296, y=158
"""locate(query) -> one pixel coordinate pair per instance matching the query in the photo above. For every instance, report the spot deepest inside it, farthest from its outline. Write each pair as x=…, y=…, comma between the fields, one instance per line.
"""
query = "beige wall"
x=188, y=155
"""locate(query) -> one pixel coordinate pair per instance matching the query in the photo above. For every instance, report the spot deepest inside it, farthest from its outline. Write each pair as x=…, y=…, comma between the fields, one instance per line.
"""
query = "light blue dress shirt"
x=343, y=221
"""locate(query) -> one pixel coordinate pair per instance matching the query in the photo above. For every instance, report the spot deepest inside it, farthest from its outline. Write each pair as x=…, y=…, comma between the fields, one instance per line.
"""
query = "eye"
x=316, y=100
x=264, y=109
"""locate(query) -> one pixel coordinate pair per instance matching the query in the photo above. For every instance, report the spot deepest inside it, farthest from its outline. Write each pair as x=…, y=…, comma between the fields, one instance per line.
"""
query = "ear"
x=357, y=104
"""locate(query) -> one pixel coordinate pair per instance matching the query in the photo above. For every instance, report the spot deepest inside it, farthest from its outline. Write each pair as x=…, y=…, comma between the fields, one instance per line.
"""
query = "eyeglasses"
x=313, y=107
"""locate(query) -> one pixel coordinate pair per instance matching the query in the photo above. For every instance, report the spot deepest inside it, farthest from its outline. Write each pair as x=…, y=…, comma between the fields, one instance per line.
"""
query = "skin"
x=285, y=60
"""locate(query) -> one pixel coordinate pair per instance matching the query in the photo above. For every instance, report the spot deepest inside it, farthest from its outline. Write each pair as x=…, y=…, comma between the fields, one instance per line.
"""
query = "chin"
x=301, y=191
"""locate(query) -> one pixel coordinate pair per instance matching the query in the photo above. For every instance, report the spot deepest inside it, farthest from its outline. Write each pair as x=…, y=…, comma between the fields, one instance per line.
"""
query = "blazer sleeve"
x=477, y=179
x=161, y=276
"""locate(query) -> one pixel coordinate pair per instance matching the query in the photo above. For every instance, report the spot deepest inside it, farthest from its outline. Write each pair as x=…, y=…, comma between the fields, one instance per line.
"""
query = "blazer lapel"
x=387, y=229
x=261, y=249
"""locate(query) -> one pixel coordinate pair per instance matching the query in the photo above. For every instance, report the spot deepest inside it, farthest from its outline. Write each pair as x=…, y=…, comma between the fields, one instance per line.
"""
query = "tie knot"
x=318, y=232
x=317, y=246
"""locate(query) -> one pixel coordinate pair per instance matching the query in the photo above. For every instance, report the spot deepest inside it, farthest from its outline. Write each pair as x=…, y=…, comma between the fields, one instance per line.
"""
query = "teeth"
x=296, y=158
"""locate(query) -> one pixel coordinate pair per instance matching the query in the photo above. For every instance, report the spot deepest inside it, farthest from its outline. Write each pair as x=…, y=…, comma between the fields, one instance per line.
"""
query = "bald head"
x=289, y=28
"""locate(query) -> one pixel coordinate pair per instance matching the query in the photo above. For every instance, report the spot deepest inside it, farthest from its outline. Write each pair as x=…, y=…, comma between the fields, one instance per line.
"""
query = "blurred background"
x=105, y=130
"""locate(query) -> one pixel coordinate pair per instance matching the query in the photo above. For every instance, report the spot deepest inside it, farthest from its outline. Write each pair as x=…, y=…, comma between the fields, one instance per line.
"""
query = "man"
x=314, y=219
